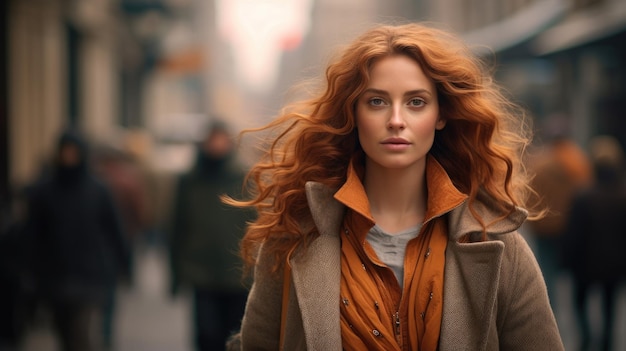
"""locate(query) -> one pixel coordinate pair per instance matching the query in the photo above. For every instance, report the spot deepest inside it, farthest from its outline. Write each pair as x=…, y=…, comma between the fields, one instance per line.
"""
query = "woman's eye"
x=417, y=102
x=376, y=102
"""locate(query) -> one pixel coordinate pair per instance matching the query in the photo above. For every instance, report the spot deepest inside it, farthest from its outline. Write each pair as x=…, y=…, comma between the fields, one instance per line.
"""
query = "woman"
x=388, y=207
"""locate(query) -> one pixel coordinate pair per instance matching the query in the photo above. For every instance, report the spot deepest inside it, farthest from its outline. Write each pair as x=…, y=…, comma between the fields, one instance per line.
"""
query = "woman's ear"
x=440, y=124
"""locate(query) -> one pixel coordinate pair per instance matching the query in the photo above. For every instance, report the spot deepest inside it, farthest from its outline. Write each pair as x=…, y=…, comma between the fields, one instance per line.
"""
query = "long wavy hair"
x=314, y=139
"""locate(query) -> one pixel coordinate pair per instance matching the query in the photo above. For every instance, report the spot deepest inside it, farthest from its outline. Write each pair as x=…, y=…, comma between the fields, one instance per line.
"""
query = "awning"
x=582, y=28
x=519, y=28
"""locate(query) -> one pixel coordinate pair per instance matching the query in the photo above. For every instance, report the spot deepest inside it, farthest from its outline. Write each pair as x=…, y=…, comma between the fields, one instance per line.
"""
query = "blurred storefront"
x=71, y=63
x=587, y=49
x=62, y=71
x=555, y=56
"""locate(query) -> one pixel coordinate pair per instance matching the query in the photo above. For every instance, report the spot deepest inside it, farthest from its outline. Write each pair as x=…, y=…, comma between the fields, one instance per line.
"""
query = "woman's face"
x=397, y=114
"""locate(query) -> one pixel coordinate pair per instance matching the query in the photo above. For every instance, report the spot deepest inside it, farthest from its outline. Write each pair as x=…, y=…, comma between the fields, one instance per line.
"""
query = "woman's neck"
x=397, y=196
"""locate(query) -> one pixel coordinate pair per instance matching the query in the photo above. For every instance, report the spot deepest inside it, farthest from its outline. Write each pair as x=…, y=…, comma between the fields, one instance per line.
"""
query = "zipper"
x=430, y=297
x=398, y=329
x=397, y=322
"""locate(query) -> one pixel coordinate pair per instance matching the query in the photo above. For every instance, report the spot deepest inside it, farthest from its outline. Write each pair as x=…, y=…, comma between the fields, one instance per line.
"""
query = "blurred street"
x=148, y=318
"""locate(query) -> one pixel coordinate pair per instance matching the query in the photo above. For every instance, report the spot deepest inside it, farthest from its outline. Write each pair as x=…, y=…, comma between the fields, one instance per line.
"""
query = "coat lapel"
x=471, y=280
x=472, y=275
x=317, y=272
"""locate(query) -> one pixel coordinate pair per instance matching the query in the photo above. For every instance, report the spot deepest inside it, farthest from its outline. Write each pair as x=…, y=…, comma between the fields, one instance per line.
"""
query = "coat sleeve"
x=260, y=327
x=525, y=318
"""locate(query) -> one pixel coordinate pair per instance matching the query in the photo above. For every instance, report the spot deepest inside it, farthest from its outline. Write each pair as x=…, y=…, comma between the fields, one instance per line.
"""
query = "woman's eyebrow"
x=408, y=93
x=418, y=92
x=376, y=91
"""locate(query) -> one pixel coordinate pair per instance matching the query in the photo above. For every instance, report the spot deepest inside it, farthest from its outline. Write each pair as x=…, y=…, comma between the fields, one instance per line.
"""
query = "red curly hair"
x=480, y=147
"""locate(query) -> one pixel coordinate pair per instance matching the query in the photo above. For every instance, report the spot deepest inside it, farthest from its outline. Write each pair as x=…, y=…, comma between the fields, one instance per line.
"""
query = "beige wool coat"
x=494, y=295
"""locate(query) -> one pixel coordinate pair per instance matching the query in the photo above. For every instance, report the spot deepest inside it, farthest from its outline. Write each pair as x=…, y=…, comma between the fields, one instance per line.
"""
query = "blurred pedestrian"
x=121, y=173
x=14, y=295
x=204, y=240
x=388, y=208
x=595, y=239
x=138, y=146
x=561, y=168
x=79, y=248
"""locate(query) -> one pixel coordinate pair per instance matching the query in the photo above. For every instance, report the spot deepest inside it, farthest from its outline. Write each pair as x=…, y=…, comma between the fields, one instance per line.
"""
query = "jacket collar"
x=328, y=206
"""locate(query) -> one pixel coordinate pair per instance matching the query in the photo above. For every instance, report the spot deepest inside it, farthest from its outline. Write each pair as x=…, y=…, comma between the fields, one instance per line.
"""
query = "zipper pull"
x=397, y=317
x=430, y=297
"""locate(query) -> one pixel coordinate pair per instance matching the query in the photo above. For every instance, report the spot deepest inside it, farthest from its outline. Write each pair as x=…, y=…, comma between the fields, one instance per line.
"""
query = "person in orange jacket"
x=561, y=169
x=388, y=207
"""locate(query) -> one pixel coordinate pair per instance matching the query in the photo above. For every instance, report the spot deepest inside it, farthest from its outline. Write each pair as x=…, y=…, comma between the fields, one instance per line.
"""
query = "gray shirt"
x=391, y=248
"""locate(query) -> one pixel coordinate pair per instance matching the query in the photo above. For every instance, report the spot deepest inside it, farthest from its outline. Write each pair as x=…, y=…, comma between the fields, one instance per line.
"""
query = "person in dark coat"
x=595, y=240
x=79, y=248
x=204, y=240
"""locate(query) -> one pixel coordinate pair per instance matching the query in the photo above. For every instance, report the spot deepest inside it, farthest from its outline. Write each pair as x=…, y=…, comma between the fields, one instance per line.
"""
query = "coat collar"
x=328, y=206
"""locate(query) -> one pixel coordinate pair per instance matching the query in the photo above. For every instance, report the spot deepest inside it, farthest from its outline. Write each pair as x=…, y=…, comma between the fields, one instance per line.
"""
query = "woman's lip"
x=395, y=141
x=396, y=146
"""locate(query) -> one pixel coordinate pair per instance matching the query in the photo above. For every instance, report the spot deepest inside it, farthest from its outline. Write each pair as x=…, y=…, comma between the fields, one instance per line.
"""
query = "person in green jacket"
x=204, y=240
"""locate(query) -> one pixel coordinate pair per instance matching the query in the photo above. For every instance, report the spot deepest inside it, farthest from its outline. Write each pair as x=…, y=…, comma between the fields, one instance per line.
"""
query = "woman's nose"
x=396, y=119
